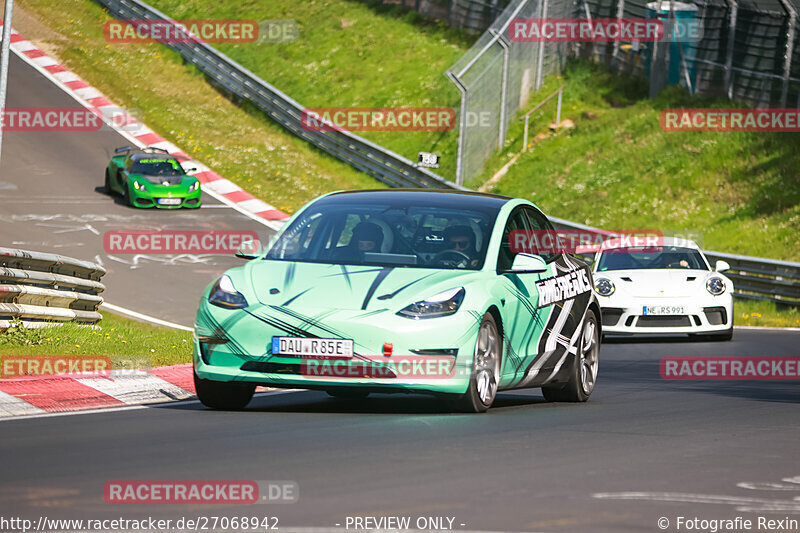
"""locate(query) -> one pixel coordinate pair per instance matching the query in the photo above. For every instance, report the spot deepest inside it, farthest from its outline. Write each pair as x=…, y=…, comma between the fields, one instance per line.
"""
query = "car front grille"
x=663, y=321
x=716, y=316
x=611, y=315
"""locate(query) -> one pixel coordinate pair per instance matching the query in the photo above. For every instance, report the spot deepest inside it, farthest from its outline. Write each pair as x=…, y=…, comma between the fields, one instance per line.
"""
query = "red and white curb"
x=57, y=394
x=140, y=135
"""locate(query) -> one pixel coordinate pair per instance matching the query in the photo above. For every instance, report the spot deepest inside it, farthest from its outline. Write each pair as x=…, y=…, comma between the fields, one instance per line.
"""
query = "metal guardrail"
x=753, y=277
x=39, y=288
x=385, y=165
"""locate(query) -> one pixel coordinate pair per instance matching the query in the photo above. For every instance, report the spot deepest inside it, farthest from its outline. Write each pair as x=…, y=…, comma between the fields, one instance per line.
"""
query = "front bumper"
x=150, y=198
x=430, y=355
x=628, y=318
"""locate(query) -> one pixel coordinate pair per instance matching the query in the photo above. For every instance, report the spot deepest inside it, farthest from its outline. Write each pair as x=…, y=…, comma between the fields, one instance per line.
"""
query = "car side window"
x=129, y=164
x=538, y=222
x=517, y=221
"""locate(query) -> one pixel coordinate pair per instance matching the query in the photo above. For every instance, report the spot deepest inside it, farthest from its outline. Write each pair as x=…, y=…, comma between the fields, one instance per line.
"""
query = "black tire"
x=226, y=396
x=482, y=388
x=108, y=183
x=583, y=370
x=126, y=197
x=348, y=394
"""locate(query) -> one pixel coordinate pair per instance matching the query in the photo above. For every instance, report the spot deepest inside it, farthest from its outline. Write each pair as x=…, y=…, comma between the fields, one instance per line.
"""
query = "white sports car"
x=664, y=289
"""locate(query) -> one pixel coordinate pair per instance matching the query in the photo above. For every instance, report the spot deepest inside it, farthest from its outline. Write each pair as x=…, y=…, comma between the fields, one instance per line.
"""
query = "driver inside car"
x=367, y=237
x=461, y=239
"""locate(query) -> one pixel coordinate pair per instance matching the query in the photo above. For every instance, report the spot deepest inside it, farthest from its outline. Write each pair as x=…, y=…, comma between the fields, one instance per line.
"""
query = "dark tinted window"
x=517, y=221
x=428, y=230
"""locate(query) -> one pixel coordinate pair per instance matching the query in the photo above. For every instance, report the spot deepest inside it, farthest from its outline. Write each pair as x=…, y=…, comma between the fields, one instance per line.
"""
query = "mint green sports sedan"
x=401, y=290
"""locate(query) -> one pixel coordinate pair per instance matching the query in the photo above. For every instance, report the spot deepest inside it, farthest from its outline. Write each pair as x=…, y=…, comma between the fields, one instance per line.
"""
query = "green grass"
x=350, y=54
x=758, y=313
x=177, y=102
x=118, y=337
x=617, y=169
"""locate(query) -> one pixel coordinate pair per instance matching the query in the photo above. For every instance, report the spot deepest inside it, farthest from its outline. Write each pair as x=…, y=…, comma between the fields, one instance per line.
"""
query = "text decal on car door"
x=562, y=287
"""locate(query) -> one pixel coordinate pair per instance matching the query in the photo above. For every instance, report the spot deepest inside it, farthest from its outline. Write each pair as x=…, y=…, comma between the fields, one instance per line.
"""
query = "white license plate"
x=313, y=348
x=663, y=310
x=169, y=201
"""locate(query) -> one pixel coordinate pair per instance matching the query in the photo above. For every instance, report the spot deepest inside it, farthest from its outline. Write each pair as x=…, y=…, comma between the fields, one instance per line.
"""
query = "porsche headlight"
x=194, y=186
x=443, y=304
x=139, y=186
x=224, y=294
x=604, y=286
x=715, y=285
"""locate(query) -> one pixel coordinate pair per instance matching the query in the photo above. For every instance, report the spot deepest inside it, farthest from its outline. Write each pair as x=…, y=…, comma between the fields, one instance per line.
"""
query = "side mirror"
x=722, y=266
x=190, y=170
x=528, y=263
x=249, y=250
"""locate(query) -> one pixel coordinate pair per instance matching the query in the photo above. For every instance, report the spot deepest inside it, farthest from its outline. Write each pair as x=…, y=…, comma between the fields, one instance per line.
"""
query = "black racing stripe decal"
x=346, y=276
x=291, y=267
x=375, y=283
x=391, y=295
x=350, y=273
x=309, y=321
x=295, y=297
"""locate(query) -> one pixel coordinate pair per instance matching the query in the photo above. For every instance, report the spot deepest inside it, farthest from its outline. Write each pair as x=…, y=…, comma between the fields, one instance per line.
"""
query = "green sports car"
x=150, y=177
x=401, y=291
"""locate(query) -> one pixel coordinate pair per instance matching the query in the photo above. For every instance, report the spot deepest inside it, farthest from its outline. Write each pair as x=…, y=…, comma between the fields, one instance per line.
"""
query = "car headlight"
x=224, y=294
x=139, y=186
x=715, y=285
x=604, y=286
x=194, y=186
x=442, y=304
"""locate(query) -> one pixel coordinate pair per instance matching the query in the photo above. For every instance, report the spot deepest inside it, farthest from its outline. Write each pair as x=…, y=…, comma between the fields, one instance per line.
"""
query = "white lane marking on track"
x=13, y=406
x=742, y=504
x=141, y=316
x=135, y=388
x=766, y=328
x=135, y=407
x=269, y=223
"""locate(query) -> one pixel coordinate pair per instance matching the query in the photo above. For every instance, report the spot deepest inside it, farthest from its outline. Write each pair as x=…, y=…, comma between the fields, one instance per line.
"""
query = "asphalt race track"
x=527, y=465
x=52, y=199
x=641, y=451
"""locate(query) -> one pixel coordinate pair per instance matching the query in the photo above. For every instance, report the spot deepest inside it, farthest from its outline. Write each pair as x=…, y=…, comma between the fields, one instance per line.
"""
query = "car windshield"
x=157, y=167
x=427, y=230
x=656, y=258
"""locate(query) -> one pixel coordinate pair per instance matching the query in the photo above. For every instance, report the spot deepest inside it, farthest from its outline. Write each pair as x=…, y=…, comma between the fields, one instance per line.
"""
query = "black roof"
x=423, y=191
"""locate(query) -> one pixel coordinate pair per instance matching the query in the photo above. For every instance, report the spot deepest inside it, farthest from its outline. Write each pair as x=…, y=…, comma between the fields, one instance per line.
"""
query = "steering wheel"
x=451, y=258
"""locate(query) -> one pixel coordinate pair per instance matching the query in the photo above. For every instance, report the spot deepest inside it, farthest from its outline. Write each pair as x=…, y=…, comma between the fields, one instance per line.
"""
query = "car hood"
x=318, y=286
x=163, y=180
x=664, y=283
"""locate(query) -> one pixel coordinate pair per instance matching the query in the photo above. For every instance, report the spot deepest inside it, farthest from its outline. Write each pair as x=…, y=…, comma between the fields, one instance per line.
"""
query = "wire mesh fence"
x=496, y=77
x=747, y=50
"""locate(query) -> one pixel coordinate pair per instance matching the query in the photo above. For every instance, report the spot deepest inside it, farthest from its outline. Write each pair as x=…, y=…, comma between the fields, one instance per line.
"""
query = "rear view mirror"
x=249, y=250
x=722, y=266
x=528, y=263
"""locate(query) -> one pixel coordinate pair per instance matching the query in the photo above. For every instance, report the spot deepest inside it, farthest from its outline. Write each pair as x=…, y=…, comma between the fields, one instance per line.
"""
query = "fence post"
x=620, y=12
x=787, y=59
x=731, y=38
x=539, y=67
x=461, y=128
x=503, y=89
